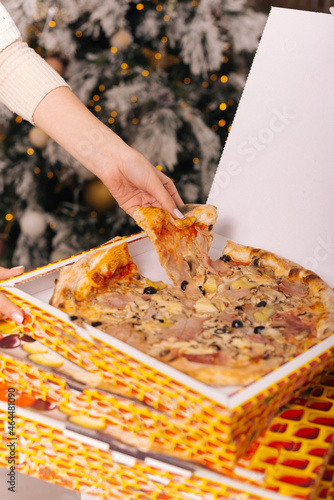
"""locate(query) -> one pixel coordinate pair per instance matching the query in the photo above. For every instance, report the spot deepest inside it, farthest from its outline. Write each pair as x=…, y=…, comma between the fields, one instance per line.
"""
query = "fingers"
x=5, y=273
x=165, y=192
x=10, y=310
x=171, y=188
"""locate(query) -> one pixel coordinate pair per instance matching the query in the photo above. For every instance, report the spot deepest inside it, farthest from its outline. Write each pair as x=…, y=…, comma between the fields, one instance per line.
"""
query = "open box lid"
x=274, y=187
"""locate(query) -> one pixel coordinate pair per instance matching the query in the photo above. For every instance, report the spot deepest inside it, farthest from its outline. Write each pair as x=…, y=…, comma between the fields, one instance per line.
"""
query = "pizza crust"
x=224, y=375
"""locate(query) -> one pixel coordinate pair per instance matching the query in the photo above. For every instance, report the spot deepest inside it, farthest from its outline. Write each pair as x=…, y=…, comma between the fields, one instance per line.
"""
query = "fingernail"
x=17, y=317
x=17, y=267
x=178, y=213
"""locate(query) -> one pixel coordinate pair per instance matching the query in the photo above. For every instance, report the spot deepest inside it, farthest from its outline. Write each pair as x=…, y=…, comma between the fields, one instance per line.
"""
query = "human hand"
x=7, y=308
x=134, y=182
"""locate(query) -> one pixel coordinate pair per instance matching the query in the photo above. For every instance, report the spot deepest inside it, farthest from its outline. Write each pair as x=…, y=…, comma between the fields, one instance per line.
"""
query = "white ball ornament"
x=38, y=137
x=122, y=39
x=58, y=254
x=33, y=223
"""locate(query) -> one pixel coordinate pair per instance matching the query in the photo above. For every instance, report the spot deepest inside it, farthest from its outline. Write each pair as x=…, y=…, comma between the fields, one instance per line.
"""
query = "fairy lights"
x=224, y=78
x=30, y=151
x=222, y=106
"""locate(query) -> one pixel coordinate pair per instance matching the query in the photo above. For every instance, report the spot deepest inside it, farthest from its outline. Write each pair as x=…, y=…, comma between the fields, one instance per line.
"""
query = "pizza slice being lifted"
x=182, y=245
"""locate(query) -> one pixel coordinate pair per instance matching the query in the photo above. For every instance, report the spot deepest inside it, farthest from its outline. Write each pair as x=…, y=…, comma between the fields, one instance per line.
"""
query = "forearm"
x=64, y=118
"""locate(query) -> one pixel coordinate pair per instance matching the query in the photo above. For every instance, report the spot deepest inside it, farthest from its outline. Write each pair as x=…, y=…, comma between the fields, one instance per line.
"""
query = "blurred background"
x=165, y=75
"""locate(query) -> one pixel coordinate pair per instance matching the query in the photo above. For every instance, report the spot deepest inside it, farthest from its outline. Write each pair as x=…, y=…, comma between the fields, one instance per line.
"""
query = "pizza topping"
x=202, y=358
x=263, y=303
x=258, y=329
x=225, y=258
x=217, y=266
x=203, y=305
x=210, y=286
x=263, y=314
x=150, y=290
x=295, y=289
x=237, y=323
x=234, y=294
x=117, y=300
x=184, y=285
x=242, y=283
x=184, y=329
x=291, y=323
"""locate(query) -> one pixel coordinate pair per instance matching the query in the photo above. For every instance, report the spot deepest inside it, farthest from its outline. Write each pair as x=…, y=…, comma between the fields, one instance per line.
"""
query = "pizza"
x=224, y=322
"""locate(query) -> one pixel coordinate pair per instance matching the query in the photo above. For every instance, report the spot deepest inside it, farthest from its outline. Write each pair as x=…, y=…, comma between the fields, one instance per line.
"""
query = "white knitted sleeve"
x=8, y=30
x=25, y=78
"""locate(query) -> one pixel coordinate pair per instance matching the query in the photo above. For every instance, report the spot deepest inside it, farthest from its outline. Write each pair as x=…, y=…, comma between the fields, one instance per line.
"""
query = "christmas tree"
x=166, y=75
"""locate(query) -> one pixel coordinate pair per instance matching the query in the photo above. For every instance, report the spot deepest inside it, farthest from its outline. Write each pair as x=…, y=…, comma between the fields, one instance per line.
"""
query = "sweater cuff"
x=9, y=31
x=25, y=79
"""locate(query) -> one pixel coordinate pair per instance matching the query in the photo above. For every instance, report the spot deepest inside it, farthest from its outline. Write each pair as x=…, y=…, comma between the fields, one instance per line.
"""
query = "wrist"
x=99, y=148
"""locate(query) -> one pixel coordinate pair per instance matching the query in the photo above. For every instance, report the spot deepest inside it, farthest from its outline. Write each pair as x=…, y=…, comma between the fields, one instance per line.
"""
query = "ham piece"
x=184, y=328
x=293, y=289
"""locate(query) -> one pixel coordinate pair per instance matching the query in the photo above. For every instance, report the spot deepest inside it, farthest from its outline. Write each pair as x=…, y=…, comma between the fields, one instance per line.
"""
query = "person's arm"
x=131, y=179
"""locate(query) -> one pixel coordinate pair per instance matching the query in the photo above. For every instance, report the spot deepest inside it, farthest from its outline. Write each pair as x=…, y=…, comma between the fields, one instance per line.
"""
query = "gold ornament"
x=98, y=197
x=38, y=137
x=159, y=59
x=55, y=63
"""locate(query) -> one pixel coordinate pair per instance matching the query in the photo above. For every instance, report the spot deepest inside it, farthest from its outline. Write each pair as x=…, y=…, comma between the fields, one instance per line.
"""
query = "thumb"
x=10, y=310
x=5, y=273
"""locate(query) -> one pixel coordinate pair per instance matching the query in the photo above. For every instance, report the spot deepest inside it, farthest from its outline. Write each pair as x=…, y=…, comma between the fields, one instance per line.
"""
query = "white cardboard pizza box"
x=274, y=191
x=274, y=186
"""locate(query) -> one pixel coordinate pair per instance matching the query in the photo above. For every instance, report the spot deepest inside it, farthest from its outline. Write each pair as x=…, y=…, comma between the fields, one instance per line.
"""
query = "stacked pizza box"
x=86, y=401
x=64, y=428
